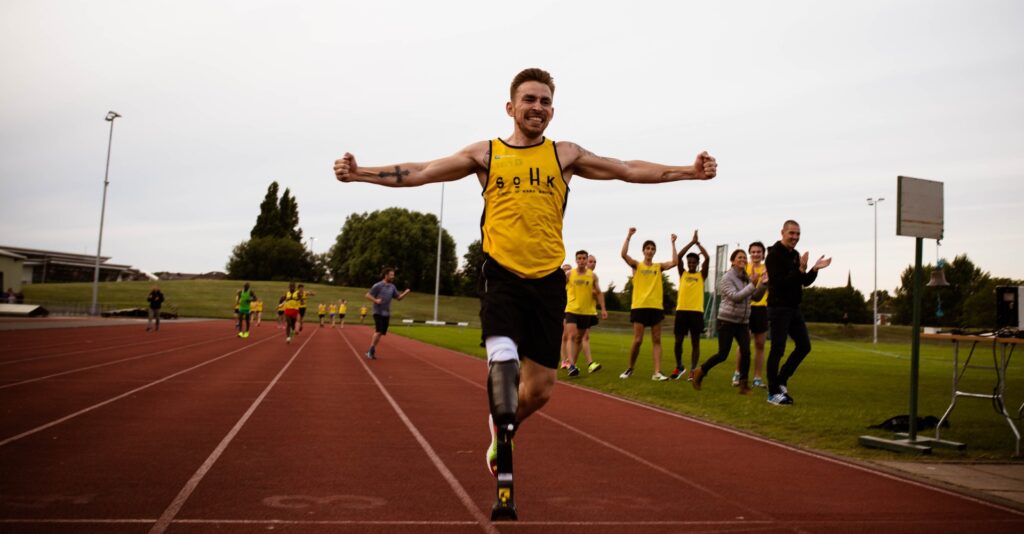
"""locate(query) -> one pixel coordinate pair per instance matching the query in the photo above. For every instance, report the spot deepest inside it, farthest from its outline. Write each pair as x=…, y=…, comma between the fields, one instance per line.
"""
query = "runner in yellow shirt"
x=583, y=293
x=690, y=305
x=321, y=310
x=332, y=310
x=342, y=310
x=362, y=313
x=648, y=308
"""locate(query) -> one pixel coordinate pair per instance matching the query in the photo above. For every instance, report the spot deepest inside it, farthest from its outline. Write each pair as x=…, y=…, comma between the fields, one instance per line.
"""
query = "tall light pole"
x=311, y=240
x=111, y=115
x=874, y=294
x=437, y=271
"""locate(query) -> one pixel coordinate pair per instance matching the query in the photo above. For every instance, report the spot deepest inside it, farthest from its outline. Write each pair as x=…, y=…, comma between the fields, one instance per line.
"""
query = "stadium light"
x=111, y=115
x=874, y=294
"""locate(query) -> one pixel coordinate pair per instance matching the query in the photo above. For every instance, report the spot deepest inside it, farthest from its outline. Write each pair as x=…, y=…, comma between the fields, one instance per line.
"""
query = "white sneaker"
x=626, y=374
x=658, y=377
x=735, y=379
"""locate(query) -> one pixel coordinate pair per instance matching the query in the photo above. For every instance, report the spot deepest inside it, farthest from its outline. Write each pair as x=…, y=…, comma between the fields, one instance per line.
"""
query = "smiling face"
x=531, y=108
x=649, y=250
x=756, y=254
x=791, y=235
x=739, y=260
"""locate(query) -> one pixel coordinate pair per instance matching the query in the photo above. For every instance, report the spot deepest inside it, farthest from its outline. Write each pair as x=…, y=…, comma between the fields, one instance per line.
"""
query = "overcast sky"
x=810, y=108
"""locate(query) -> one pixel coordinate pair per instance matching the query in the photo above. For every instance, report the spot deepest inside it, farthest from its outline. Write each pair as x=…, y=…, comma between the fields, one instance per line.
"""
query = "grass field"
x=845, y=385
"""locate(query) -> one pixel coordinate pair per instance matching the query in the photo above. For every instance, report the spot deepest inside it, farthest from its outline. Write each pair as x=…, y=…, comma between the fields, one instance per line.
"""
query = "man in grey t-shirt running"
x=380, y=295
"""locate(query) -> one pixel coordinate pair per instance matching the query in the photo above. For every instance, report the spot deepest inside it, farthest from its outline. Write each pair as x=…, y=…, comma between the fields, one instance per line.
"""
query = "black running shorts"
x=688, y=323
x=582, y=322
x=758, y=319
x=646, y=316
x=527, y=310
x=381, y=323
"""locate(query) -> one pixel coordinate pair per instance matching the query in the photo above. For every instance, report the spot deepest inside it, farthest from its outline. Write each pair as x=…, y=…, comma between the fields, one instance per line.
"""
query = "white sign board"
x=919, y=208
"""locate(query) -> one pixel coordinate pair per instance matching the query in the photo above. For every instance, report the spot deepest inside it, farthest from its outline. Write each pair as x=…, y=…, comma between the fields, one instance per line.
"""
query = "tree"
x=394, y=237
x=289, y=212
x=469, y=275
x=967, y=284
x=271, y=258
x=268, y=222
x=611, y=299
x=835, y=305
x=274, y=250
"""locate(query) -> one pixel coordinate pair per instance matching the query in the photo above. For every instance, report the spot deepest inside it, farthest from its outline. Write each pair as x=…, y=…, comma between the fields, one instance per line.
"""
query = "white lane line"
x=123, y=395
x=84, y=351
x=481, y=519
x=172, y=510
x=975, y=524
x=814, y=454
x=80, y=369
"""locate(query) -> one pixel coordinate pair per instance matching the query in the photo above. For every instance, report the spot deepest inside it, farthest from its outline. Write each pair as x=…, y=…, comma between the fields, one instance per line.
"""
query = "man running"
x=381, y=294
x=303, y=295
x=788, y=274
x=243, y=303
x=582, y=292
x=362, y=313
x=290, y=304
x=332, y=310
x=525, y=179
x=648, y=306
x=690, y=305
x=321, y=311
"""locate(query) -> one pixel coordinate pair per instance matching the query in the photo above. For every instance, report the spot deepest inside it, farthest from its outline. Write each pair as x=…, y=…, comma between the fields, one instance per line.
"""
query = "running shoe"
x=593, y=367
x=758, y=383
x=735, y=379
x=780, y=399
x=574, y=371
x=658, y=377
x=698, y=378
x=371, y=354
x=626, y=374
x=289, y=339
x=240, y=335
x=677, y=373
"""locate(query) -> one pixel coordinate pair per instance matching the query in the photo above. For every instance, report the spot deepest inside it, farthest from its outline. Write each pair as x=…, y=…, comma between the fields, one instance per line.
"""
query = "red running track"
x=112, y=429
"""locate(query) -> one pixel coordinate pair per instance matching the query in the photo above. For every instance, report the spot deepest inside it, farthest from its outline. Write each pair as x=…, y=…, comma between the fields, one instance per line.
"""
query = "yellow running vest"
x=579, y=292
x=524, y=201
x=291, y=300
x=647, y=291
x=691, y=292
x=763, y=301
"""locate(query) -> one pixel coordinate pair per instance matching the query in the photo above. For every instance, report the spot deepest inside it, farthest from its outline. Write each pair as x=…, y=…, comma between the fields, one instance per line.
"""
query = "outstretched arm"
x=625, y=249
x=707, y=257
x=469, y=160
x=675, y=257
x=581, y=161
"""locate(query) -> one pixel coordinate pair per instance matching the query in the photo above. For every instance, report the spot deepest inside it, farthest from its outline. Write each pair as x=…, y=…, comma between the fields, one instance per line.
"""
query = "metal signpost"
x=919, y=214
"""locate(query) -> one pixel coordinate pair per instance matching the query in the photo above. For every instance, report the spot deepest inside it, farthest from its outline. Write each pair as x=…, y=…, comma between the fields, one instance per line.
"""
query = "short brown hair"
x=532, y=75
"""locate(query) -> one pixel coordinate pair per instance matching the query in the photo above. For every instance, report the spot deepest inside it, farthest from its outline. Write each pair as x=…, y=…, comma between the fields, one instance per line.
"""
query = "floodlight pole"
x=874, y=294
x=111, y=115
x=437, y=272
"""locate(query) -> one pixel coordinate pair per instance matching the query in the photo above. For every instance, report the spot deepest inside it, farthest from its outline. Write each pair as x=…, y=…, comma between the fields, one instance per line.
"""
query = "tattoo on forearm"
x=398, y=174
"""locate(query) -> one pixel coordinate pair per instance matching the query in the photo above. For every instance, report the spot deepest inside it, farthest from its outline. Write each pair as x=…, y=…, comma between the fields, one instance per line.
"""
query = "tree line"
x=407, y=241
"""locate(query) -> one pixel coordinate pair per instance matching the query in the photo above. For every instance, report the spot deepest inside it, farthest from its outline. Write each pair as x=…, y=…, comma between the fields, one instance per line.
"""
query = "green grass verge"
x=840, y=389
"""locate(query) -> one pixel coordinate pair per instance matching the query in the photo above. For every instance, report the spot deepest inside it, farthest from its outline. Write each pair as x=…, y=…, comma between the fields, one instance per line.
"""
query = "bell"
x=938, y=279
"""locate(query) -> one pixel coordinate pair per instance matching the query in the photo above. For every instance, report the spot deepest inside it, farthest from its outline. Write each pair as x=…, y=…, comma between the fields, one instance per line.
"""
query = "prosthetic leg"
x=503, y=390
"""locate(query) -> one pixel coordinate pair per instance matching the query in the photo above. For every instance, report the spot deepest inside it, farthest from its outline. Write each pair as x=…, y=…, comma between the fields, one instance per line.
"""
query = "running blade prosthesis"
x=505, y=506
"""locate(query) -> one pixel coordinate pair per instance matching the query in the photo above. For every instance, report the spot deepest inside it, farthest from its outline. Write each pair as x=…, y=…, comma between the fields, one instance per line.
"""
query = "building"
x=47, y=266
